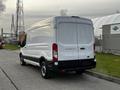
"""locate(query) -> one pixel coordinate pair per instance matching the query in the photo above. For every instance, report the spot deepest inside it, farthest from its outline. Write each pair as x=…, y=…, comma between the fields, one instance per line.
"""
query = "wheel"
x=22, y=62
x=80, y=71
x=45, y=72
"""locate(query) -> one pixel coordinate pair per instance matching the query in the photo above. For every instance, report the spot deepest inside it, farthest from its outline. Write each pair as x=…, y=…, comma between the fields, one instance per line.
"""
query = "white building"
x=100, y=21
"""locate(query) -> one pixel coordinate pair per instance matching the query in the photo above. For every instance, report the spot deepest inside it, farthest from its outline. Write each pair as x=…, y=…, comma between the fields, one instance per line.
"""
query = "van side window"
x=40, y=35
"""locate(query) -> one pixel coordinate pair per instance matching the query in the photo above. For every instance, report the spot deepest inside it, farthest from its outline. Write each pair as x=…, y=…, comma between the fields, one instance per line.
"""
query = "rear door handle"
x=82, y=48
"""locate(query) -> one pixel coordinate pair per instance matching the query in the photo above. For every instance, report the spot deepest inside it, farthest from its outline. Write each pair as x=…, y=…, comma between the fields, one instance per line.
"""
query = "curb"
x=105, y=77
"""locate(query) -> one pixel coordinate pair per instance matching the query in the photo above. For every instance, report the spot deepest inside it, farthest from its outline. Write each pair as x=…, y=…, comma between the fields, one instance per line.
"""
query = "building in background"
x=107, y=31
x=100, y=21
x=111, y=38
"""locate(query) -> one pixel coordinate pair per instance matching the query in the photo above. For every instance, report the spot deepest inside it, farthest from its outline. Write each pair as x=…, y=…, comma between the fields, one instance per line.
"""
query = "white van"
x=62, y=43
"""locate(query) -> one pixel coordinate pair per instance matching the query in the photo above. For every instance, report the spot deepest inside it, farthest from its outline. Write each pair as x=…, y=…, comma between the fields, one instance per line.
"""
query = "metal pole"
x=19, y=18
x=1, y=32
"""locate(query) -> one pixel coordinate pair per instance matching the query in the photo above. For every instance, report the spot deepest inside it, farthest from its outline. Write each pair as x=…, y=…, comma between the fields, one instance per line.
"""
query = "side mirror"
x=22, y=39
x=22, y=44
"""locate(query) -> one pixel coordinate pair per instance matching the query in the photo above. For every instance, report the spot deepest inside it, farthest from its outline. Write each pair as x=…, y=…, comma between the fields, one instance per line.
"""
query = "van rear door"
x=85, y=35
x=75, y=41
x=67, y=41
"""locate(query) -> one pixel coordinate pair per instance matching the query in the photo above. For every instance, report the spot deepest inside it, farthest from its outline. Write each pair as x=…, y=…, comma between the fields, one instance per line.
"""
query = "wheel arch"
x=42, y=58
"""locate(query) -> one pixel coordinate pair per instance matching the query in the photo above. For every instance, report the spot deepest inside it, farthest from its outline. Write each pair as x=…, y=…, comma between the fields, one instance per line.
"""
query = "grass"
x=11, y=47
x=108, y=64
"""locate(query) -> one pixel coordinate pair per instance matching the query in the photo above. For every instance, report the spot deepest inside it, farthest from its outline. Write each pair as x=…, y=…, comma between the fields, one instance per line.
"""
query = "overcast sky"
x=37, y=9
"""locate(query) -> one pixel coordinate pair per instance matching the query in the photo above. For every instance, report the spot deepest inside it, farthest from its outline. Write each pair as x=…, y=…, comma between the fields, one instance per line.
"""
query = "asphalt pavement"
x=13, y=76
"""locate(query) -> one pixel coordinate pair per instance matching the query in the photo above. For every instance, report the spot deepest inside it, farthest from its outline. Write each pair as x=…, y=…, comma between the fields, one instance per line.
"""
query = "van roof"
x=47, y=21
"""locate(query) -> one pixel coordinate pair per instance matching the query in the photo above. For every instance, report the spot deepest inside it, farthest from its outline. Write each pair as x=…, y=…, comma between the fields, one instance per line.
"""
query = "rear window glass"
x=73, y=33
x=67, y=33
x=85, y=33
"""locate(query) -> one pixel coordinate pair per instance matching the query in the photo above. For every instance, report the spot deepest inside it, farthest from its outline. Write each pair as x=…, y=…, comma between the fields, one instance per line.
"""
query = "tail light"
x=55, y=52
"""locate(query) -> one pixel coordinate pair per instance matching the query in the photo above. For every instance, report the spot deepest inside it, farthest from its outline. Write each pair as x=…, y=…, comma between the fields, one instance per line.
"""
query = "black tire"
x=22, y=62
x=80, y=72
x=45, y=72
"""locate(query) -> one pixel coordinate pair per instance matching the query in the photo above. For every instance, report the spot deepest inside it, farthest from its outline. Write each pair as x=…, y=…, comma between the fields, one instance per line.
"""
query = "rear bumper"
x=72, y=65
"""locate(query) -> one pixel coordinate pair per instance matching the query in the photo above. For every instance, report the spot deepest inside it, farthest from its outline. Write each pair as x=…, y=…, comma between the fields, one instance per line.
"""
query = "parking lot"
x=13, y=76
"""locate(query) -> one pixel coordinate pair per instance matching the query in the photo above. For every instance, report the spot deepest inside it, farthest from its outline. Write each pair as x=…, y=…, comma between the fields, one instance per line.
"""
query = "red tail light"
x=55, y=52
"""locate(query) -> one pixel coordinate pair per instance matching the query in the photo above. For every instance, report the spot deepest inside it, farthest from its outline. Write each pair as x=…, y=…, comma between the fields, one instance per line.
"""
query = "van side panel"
x=39, y=42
